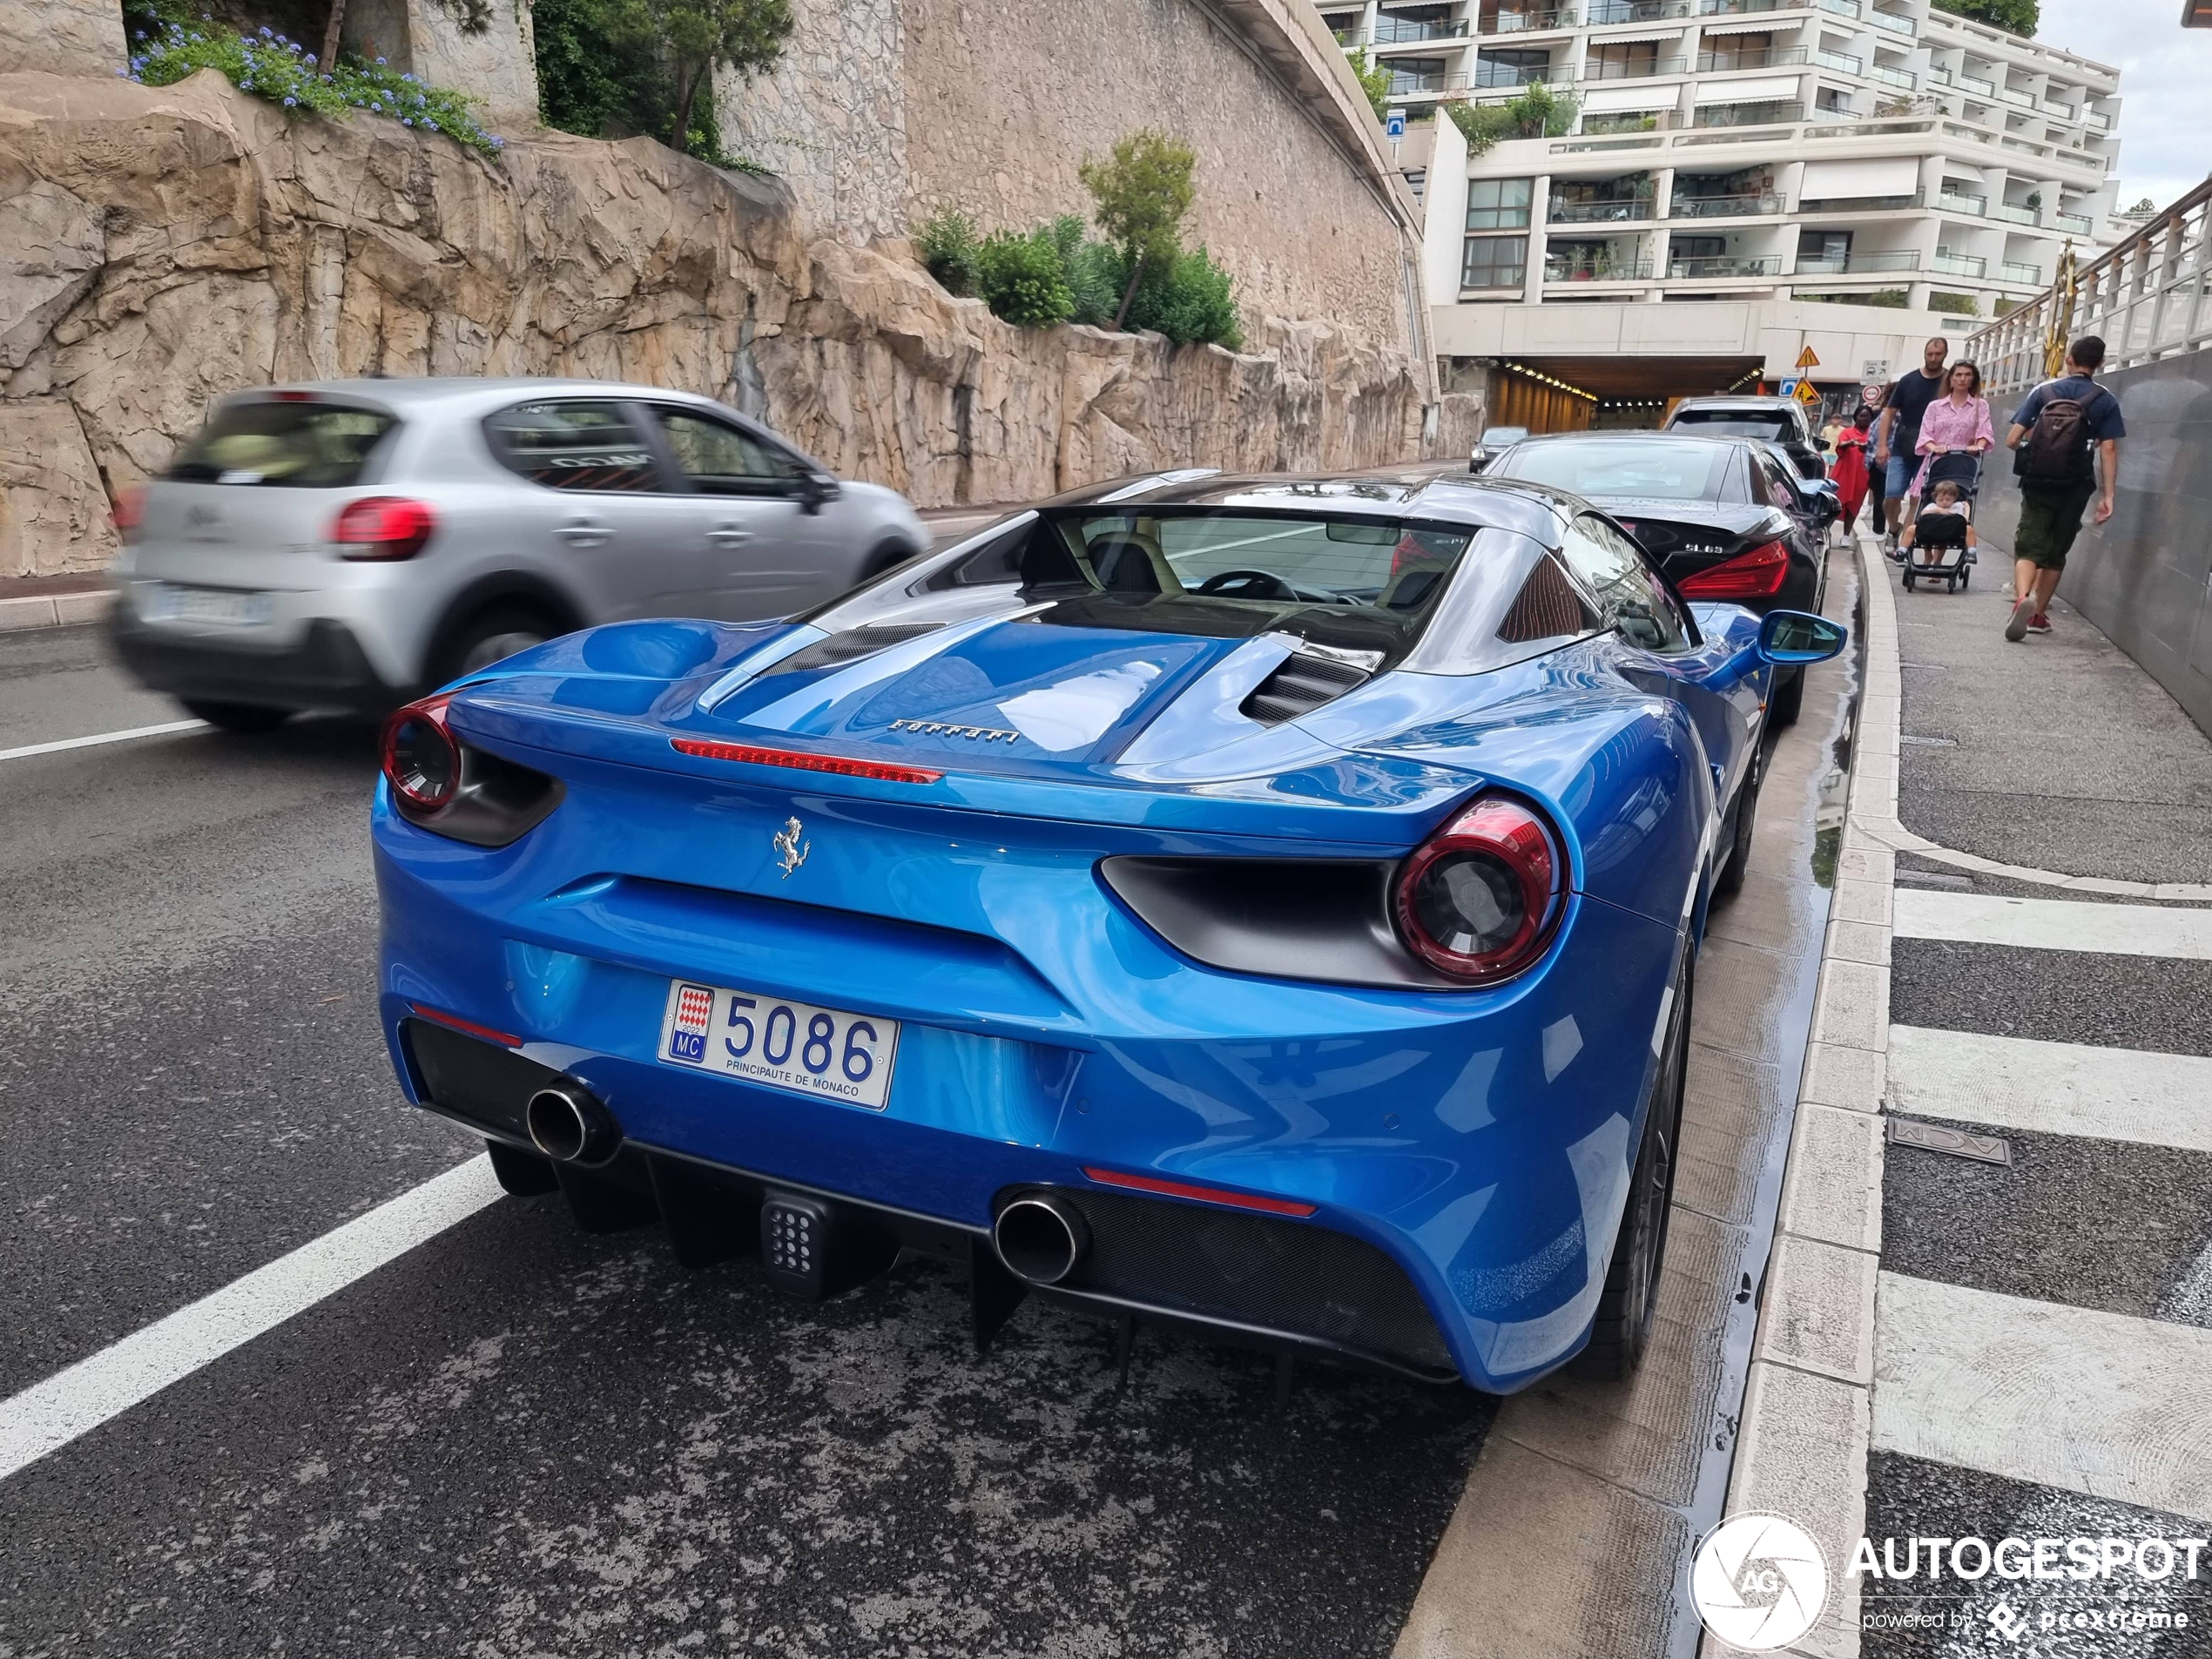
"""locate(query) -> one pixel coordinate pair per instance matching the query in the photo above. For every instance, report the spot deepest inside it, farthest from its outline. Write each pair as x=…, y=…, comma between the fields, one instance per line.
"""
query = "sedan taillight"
x=1477, y=899
x=1759, y=574
x=383, y=527
x=451, y=787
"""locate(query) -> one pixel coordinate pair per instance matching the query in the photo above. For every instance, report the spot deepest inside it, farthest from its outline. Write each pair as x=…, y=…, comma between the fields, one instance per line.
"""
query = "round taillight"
x=382, y=526
x=1477, y=899
x=422, y=761
x=129, y=511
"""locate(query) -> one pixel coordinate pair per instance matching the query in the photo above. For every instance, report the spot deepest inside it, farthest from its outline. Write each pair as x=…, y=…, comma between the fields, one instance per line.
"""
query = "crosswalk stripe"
x=2075, y=1398
x=2053, y=1088
x=2055, y=924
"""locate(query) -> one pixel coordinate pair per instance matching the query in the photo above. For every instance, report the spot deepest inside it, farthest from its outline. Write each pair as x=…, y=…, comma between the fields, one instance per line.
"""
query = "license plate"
x=229, y=606
x=785, y=1044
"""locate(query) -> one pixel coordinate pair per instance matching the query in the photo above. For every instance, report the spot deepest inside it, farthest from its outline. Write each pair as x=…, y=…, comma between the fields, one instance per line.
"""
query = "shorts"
x=1897, y=476
x=2048, y=526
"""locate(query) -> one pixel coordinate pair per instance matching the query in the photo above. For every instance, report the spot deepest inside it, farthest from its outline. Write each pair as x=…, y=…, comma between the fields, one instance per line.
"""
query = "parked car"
x=1494, y=442
x=1778, y=420
x=1725, y=517
x=1264, y=906
x=353, y=543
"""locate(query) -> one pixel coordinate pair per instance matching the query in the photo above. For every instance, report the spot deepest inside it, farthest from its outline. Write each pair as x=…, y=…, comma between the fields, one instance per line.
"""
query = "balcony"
x=1721, y=62
x=1958, y=264
x=1631, y=69
x=1522, y=23
x=2015, y=271
x=1889, y=76
x=1841, y=63
x=1725, y=265
x=2021, y=100
x=1752, y=206
x=1739, y=8
x=2095, y=122
x=2076, y=223
x=1400, y=31
x=1939, y=77
x=1974, y=84
x=1959, y=202
x=1860, y=264
x=1842, y=8
x=1601, y=124
x=1747, y=115
x=1610, y=11
x=1612, y=210
x=1493, y=75
x=2012, y=215
x=2064, y=112
x=1895, y=25
x=1599, y=268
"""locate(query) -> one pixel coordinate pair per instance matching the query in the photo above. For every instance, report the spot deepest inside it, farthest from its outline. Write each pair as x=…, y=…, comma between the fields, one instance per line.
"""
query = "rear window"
x=289, y=445
x=1737, y=423
x=1659, y=469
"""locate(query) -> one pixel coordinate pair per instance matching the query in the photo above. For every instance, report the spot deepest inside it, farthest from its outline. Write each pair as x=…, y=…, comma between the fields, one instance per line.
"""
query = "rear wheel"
x=1622, y=1329
x=1730, y=880
x=1789, y=698
x=235, y=716
x=492, y=634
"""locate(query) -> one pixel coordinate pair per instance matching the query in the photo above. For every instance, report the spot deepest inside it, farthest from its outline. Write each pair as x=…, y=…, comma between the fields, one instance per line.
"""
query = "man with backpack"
x=2054, y=434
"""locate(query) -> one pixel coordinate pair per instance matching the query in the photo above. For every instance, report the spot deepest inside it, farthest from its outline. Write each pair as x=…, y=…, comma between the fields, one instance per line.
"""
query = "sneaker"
x=2023, y=612
x=2039, y=624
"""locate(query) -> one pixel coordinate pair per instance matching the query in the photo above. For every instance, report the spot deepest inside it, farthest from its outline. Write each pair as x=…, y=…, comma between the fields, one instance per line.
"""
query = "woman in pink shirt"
x=1955, y=432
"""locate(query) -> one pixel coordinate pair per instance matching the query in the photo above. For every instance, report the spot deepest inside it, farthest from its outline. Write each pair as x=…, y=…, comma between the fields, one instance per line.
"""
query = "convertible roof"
x=1453, y=499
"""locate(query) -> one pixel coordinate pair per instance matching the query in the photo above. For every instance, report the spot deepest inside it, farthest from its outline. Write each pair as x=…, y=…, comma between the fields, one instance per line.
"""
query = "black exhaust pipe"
x=1041, y=1237
x=568, y=1125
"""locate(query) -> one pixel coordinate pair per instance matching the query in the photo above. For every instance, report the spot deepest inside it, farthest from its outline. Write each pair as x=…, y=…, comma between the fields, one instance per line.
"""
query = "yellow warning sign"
x=1806, y=360
x=1808, y=393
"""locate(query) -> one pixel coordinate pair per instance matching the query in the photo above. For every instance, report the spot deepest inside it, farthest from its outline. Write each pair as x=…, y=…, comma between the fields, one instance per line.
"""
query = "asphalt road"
x=517, y=1439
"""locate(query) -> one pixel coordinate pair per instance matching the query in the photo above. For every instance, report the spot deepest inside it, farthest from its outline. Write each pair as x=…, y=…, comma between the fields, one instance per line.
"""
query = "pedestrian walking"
x=1955, y=432
x=2065, y=438
x=1849, y=468
x=1897, y=436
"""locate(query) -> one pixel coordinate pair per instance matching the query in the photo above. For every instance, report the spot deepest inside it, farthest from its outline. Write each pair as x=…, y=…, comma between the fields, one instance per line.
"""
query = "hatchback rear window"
x=284, y=444
x=1736, y=424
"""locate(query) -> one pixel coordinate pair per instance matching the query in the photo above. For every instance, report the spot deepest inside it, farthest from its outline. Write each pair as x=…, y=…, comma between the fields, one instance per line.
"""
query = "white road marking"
x=2055, y=924
x=104, y=737
x=49, y=1415
x=2067, y=1397
x=2053, y=1088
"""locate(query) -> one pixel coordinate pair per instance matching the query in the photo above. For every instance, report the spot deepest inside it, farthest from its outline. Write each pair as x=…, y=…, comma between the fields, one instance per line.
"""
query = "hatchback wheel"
x=1788, y=700
x=236, y=717
x=492, y=637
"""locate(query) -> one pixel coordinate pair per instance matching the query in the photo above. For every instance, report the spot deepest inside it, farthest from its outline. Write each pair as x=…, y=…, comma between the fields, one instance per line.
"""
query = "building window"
x=1494, y=262
x=1498, y=204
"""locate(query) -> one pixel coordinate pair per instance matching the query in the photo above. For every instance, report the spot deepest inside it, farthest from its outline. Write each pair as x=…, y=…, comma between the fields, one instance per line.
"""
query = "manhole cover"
x=1934, y=1137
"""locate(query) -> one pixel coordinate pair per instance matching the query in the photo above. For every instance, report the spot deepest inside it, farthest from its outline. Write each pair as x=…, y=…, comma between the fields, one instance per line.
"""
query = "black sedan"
x=1722, y=517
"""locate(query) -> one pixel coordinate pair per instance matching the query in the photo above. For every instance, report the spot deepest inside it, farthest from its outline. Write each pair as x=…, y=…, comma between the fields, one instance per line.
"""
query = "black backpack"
x=2055, y=453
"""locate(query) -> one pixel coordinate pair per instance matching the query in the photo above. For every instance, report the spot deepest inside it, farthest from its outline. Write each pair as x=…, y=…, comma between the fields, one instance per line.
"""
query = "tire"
x=491, y=635
x=1622, y=1331
x=882, y=557
x=235, y=716
x=1730, y=880
x=1789, y=698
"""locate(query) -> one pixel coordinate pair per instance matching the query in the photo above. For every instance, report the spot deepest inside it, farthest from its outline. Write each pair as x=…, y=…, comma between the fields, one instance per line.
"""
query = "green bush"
x=600, y=77
x=947, y=246
x=1957, y=304
x=1191, y=301
x=1092, y=271
x=164, y=50
x=2019, y=16
x=1022, y=280
x=1536, y=113
x=1374, y=80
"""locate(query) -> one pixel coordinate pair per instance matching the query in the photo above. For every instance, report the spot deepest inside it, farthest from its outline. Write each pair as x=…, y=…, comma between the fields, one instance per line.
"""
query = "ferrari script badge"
x=791, y=851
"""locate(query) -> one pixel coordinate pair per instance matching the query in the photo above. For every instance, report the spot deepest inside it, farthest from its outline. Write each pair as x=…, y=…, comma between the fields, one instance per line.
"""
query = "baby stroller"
x=1939, y=552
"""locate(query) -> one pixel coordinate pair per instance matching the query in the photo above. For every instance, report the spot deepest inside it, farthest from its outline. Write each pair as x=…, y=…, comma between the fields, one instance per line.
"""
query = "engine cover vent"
x=849, y=647
x=1304, y=682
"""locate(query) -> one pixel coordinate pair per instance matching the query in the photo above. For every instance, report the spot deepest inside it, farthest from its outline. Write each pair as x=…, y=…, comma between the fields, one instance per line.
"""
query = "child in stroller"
x=1939, y=545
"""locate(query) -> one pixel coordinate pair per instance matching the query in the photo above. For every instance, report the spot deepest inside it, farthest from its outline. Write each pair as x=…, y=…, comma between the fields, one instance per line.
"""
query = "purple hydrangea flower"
x=379, y=60
x=289, y=102
x=405, y=122
x=263, y=31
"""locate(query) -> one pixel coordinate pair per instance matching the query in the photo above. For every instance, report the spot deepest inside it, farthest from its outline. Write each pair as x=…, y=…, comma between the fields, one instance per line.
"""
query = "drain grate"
x=1929, y=742
x=1934, y=1137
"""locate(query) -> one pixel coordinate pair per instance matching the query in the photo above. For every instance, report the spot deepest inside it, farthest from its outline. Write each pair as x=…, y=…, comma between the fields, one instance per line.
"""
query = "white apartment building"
x=1849, y=174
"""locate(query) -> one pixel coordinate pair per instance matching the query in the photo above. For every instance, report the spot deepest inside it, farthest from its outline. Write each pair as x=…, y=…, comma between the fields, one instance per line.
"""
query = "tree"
x=697, y=37
x=1374, y=80
x=1142, y=191
x=2019, y=16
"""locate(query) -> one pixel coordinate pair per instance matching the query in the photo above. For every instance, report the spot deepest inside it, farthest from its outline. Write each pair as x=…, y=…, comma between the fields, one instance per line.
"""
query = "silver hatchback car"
x=351, y=544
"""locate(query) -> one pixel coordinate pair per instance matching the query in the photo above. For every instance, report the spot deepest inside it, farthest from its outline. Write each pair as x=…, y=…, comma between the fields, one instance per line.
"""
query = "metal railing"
x=1963, y=264
x=2012, y=215
x=1397, y=32
x=1490, y=74
x=1737, y=7
x=1610, y=11
x=1841, y=63
x=2150, y=297
x=1613, y=210
x=2023, y=100
x=1609, y=123
x=2095, y=122
x=1959, y=202
x=1893, y=77
x=1571, y=269
x=1860, y=264
x=2079, y=224
x=1721, y=62
x=2019, y=271
x=1939, y=76
x=1841, y=7
x=1747, y=115
x=1521, y=23
x=1860, y=204
x=1724, y=265
x=1404, y=81
x=1615, y=69
x=1896, y=25
x=1750, y=207
x=1975, y=83
x=2064, y=111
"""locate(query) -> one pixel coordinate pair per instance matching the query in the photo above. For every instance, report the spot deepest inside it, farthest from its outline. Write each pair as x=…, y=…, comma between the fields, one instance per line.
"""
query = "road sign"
x=1806, y=360
x=1788, y=386
x=1394, y=125
x=1808, y=393
x=1875, y=369
x=1870, y=393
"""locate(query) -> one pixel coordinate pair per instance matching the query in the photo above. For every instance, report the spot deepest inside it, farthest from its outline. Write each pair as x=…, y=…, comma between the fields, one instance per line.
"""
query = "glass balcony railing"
x=1974, y=84
x=1859, y=203
x=1747, y=115
x=1574, y=269
x=1841, y=63
x=2022, y=100
x=2017, y=271
x=1858, y=264
x=1841, y=7
x=1725, y=265
x=2076, y=223
x=2096, y=123
x=2064, y=111
x=1488, y=73
x=1598, y=123
x=1747, y=206
x=1721, y=62
x=1610, y=210
x=1520, y=23
x=1609, y=12
x=1896, y=25
x=1398, y=32
x=1890, y=77
x=1958, y=264
x=1939, y=77
x=2012, y=215
x=1952, y=201
x=1616, y=69
x=1737, y=7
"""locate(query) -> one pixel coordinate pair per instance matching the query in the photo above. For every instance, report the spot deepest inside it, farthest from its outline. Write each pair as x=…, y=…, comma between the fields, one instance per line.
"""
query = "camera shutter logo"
x=1759, y=1582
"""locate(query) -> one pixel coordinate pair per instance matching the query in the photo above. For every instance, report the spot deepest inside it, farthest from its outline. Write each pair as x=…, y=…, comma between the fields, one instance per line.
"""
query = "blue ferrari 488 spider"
x=1263, y=905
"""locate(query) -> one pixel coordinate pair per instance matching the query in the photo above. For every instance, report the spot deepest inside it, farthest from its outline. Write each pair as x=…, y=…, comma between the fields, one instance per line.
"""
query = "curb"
x=1801, y=1445
x=55, y=610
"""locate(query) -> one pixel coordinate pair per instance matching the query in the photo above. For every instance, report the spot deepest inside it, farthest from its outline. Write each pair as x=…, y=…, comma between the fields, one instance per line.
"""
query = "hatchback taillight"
x=1478, y=900
x=383, y=527
x=129, y=511
x=1759, y=574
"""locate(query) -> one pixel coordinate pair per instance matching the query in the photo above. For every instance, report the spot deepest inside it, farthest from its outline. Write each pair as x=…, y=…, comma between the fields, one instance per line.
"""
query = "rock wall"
x=65, y=37
x=161, y=246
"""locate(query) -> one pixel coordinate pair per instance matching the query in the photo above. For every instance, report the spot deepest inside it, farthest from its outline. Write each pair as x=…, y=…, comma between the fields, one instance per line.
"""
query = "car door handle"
x=584, y=532
x=729, y=536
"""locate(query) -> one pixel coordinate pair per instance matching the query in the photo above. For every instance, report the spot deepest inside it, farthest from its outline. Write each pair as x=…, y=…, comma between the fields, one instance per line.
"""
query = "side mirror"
x=814, y=488
x=1789, y=637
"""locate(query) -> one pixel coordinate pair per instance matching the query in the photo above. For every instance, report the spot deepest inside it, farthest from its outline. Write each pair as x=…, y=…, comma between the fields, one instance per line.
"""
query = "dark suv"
x=1778, y=420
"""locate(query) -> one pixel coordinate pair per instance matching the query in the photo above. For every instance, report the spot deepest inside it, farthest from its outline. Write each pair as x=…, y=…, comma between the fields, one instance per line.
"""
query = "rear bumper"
x=326, y=668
